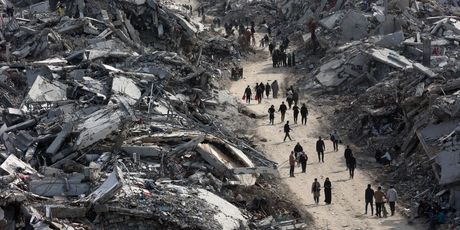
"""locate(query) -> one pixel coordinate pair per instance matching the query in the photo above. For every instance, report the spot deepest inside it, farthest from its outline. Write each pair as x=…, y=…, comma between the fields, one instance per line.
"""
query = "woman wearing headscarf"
x=327, y=191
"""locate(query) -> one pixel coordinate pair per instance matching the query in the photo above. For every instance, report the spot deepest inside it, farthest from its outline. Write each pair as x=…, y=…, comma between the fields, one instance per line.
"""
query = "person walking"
x=327, y=191
x=262, y=88
x=303, y=159
x=271, y=114
x=295, y=109
x=295, y=96
x=291, y=164
x=287, y=129
x=348, y=154
x=267, y=89
x=369, y=199
x=248, y=94
x=275, y=88
x=392, y=196
x=259, y=92
x=352, y=166
x=282, y=109
x=289, y=98
x=335, y=138
x=304, y=114
x=316, y=189
x=320, y=148
x=379, y=201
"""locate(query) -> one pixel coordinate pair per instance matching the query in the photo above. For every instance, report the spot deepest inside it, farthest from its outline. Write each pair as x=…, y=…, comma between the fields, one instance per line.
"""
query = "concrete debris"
x=108, y=119
x=390, y=68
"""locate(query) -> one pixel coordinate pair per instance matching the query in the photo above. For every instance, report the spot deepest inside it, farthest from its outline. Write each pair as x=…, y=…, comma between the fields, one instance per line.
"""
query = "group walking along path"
x=347, y=208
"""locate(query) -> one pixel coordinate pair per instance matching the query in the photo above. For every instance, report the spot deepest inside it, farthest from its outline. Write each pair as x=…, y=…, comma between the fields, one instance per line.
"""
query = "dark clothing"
x=289, y=101
x=327, y=192
x=320, y=156
x=287, y=129
x=304, y=114
x=271, y=112
x=248, y=95
x=298, y=148
x=372, y=206
x=392, y=207
x=267, y=89
x=348, y=155
x=282, y=109
x=320, y=149
x=320, y=146
x=275, y=89
x=291, y=170
x=352, y=166
x=303, y=161
x=369, y=195
x=335, y=145
x=262, y=88
x=295, y=97
x=378, y=208
x=271, y=46
x=296, y=113
x=287, y=136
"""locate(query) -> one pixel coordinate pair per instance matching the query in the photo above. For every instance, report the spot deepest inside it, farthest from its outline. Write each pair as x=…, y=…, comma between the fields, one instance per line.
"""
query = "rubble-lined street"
x=346, y=210
x=153, y=114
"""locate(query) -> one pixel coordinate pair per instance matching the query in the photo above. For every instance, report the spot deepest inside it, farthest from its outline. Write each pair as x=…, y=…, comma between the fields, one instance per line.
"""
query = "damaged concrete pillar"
x=426, y=51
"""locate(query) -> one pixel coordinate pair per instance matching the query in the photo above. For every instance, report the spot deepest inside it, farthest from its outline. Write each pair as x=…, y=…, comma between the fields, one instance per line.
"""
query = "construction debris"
x=107, y=121
x=389, y=69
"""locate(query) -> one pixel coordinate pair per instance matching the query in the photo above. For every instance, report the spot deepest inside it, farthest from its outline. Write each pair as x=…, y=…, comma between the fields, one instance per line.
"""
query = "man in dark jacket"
x=352, y=166
x=369, y=198
x=282, y=109
x=348, y=154
x=271, y=113
x=304, y=114
x=287, y=129
x=320, y=148
x=248, y=94
x=267, y=89
x=295, y=109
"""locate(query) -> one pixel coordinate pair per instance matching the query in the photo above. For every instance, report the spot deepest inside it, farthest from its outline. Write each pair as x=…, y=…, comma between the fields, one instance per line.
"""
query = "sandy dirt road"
x=347, y=208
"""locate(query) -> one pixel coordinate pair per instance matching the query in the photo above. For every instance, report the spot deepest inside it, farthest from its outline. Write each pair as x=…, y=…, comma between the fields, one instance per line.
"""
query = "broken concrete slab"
x=59, y=140
x=13, y=165
x=44, y=90
x=126, y=86
x=107, y=190
x=98, y=126
x=59, y=186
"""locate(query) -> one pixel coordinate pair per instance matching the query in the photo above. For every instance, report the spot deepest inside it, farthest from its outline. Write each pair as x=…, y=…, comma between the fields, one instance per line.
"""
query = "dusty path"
x=347, y=208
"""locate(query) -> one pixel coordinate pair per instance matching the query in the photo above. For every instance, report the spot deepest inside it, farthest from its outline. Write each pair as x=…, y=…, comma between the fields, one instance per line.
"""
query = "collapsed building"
x=390, y=68
x=109, y=120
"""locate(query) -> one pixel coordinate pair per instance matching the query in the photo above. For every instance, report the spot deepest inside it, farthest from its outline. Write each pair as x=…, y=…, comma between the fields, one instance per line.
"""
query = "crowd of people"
x=298, y=156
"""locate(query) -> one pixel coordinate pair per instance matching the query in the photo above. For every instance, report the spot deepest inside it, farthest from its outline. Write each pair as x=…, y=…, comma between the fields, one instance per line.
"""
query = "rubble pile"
x=390, y=69
x=109, y=119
